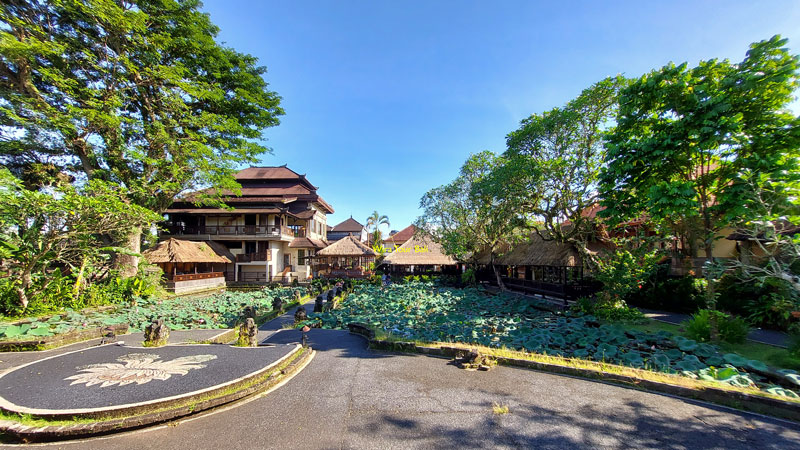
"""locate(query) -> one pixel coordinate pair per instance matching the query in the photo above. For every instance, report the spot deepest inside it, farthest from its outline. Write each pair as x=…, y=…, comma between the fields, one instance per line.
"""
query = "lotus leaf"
x=660, y=360
x=757, y=366
x=686, y=345
x=705, y=350
x=777, y=390
x=633, y=359
x=605, y=352
x=581, y=353
x=792, y=378
x=689, y=363
x=40, y=331
x=735, y=360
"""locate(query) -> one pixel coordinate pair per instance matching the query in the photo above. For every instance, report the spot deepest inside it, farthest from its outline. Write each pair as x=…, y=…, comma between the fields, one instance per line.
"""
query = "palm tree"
x=374, y=221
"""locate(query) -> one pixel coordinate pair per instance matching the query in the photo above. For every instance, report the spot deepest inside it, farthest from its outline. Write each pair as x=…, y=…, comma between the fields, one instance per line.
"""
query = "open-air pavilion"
x=419, y=255
x=346, y=257
x=189, y=265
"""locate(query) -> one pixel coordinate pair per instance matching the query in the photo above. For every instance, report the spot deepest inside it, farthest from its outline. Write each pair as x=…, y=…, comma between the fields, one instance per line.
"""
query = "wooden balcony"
x=231, y=230
x=254, y=257
x=197, y=276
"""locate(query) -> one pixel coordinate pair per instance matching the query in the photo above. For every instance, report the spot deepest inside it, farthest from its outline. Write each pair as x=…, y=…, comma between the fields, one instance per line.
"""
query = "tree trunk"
x=711, y=296
x=128, y=265
x=500, y=283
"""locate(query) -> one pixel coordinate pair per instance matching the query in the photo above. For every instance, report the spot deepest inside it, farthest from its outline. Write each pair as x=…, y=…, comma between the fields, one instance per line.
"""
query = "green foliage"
x=610, y=310
x=142, y=96
x=180, y=313
x=683, y=294
x=466, y=216
x=425, y=312
x=549, y=172
x=731, y=328
x=468, y=277
x=374, y=222
x=696, y=148
x=768, y=303
x=49, y=234
x=625, y=270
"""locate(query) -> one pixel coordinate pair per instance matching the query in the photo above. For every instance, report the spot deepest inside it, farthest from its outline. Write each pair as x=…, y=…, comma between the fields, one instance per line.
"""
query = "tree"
x=466, y=217
x=374, y=221
x=552, y=166
x=42, y=231
x=685, y=138
x=770, y=246
x=137, y=93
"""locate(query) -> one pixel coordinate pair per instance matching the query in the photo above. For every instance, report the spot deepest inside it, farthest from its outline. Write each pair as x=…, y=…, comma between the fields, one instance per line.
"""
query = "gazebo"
x=419, y=254
x=190, y=266
x=344, y=258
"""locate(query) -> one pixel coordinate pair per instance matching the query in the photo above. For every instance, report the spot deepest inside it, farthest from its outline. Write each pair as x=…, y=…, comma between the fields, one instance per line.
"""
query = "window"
x=301, y=254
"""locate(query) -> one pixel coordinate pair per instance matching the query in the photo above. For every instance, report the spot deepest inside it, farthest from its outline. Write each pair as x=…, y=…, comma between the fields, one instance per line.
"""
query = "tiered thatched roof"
x=182, y=251
x=419, y=250
x=347, y=246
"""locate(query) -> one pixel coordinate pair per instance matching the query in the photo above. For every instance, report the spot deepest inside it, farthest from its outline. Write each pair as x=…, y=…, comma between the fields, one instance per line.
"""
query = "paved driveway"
x=350, y=397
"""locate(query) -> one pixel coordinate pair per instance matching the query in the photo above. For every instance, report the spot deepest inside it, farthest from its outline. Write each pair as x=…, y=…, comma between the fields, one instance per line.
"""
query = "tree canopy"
x=138, y=93
x=552, y=164
x=466, y=217
x=690, y=142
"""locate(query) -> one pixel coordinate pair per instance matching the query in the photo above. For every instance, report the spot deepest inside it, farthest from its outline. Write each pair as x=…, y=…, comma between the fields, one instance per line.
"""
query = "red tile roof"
x=402, y=235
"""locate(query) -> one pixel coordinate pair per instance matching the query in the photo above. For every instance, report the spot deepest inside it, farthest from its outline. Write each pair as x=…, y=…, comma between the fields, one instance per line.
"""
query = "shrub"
x=615, y=311
x=468, y=277
x=731, y=328
x=660, y=291
x=768, y=304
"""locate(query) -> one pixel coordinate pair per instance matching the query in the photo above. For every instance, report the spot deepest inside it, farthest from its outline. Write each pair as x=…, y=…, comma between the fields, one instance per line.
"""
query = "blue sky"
x=385, y=100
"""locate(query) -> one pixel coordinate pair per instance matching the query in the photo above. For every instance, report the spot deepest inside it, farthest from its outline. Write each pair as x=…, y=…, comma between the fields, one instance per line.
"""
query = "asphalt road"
x=350, y=397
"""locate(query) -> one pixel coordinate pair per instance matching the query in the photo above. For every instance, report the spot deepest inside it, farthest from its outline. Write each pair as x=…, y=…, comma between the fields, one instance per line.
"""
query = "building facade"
x=272, y=228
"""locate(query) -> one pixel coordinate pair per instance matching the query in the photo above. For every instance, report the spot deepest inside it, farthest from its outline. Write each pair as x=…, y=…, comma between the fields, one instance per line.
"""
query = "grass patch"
x=499, y=409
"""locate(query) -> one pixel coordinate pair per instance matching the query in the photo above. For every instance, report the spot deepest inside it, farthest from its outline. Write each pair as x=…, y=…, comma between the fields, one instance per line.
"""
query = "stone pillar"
x=248, y=333
x=156, y=334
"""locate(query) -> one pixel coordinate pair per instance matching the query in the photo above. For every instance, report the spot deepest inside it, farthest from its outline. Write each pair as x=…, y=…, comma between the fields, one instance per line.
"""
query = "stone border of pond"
x=60, y=340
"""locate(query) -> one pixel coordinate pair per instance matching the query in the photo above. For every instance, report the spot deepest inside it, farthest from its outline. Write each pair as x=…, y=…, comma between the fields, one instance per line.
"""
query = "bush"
x=615, y=311
x=468, y=277
x=731, y=328
x=684, y=294
x=768, y=304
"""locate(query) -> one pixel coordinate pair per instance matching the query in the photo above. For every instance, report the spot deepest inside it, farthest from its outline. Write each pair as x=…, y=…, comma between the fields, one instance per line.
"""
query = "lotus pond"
x=180, y=313
x=424, y=312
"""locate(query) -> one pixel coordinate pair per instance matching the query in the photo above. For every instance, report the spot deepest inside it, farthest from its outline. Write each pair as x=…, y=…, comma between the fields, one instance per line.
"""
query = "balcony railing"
x=250, y=257
x=197, y=276
x=230, y=230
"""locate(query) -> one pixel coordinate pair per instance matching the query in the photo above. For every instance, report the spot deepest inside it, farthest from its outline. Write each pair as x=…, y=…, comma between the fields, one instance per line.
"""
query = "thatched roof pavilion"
x=539, y=252
x=348, y=246
x=345, y=257
x=419, y=250
x=181, y=251
x=189, y=261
